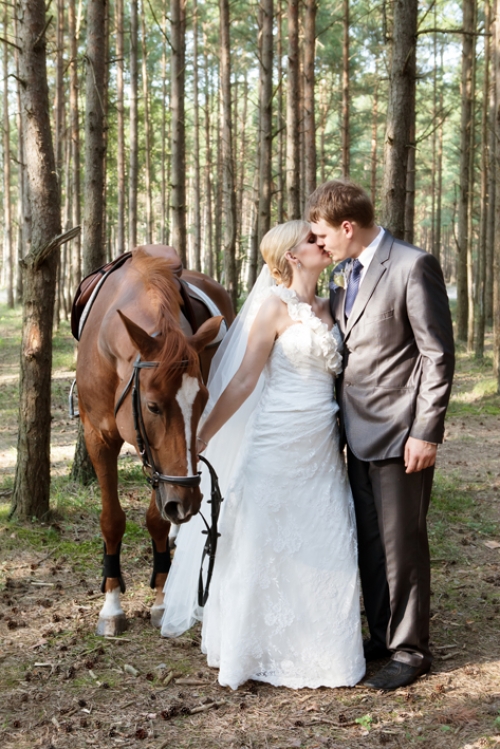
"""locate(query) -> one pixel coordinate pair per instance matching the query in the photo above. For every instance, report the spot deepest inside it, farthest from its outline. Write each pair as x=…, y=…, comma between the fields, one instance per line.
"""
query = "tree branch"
x=42, y=33
x=452, y=31
x=36, y=257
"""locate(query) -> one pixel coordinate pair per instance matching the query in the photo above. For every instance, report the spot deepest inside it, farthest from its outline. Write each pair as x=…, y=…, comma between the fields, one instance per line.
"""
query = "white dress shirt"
x=368, y=253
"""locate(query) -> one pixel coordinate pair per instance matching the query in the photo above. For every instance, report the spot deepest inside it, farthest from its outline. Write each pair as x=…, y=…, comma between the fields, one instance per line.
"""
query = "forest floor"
x=62, y=686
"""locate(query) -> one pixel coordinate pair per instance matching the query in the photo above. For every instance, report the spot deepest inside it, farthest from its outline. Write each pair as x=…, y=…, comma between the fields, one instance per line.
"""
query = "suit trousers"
x=394, y=562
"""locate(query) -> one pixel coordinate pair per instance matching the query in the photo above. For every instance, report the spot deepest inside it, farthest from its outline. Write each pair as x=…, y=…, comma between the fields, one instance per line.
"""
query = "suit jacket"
x=398, y=352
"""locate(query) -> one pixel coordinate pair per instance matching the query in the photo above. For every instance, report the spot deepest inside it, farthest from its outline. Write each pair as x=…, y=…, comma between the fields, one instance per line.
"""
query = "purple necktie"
x=353, y=286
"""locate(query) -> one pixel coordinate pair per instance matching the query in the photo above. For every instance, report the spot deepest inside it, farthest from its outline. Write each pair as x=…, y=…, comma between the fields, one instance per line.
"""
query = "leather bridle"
x=155, y=477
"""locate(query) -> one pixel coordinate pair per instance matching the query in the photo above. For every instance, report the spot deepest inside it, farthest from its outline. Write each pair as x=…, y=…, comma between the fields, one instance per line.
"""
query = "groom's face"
x=336, y=240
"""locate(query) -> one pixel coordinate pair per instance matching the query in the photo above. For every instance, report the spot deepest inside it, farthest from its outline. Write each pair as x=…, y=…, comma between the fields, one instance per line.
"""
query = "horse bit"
x=155, y=478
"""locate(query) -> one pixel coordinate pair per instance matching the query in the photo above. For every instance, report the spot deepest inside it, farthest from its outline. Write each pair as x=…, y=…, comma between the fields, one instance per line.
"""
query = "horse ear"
x=145, y=343
x=205, y=333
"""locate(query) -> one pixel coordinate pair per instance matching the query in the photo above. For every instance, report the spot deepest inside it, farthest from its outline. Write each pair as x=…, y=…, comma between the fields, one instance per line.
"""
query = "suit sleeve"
x=430, y=319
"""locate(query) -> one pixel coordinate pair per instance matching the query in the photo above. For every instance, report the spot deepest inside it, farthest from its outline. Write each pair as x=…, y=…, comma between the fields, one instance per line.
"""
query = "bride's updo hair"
x=277, y=242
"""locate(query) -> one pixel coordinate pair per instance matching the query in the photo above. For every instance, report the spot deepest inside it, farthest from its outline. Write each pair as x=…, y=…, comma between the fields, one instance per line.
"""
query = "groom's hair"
x=340, y=200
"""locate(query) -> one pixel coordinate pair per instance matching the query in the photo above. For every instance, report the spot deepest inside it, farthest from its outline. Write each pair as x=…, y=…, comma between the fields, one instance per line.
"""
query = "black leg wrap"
x=111, y=568
x=161, y=563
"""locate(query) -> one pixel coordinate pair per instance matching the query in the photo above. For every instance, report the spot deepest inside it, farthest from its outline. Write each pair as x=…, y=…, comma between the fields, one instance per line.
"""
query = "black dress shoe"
x=396, y=674
x=374, y=652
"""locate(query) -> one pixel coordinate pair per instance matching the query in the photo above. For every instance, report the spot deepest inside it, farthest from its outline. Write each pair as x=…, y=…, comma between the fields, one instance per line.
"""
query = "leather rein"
x=155, y=477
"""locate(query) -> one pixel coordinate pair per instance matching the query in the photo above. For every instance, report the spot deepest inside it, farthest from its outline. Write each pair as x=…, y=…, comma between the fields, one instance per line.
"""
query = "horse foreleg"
x=158, y=530
x=104, y=455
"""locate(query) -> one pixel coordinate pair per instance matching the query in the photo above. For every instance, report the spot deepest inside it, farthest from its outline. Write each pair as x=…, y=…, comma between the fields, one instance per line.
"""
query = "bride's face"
x=310, y=254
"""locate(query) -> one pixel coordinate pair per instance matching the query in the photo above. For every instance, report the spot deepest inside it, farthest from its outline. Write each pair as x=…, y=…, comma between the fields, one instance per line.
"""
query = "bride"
x=284, y=599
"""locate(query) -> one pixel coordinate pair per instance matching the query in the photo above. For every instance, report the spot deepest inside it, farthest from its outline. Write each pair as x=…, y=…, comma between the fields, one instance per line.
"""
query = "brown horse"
x=139, y=380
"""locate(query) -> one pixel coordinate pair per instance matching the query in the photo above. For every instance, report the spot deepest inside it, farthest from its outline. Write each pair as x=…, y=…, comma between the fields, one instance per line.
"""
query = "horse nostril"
x=175, y=511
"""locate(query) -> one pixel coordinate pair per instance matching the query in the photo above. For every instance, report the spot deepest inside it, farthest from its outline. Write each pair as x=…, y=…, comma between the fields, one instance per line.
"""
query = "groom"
x=391, y=306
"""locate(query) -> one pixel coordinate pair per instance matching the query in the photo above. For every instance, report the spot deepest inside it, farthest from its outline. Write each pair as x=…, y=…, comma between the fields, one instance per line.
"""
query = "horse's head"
x=171, y=399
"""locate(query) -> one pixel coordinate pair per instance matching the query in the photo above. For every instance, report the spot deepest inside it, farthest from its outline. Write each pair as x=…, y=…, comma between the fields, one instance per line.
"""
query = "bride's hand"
x=201, y=445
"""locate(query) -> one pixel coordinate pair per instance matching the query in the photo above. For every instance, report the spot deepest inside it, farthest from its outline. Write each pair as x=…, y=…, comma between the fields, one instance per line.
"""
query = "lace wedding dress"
x=284, y=599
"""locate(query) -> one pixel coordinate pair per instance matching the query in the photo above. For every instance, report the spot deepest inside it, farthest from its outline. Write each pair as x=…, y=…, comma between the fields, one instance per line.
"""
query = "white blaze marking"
x=185, y=398
x=112, y=606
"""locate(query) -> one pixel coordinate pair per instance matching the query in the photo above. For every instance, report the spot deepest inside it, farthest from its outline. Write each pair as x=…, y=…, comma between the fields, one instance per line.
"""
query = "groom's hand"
x=419, y=455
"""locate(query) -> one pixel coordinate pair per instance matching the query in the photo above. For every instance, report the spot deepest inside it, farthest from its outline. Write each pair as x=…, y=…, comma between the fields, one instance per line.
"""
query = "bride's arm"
x=263, y=332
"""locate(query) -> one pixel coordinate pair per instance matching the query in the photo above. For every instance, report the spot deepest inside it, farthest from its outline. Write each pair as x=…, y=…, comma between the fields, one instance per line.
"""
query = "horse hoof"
x=157, y=615
x=112, y=626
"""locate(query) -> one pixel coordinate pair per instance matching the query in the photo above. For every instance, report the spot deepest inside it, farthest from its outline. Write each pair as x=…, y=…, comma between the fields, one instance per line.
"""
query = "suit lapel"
x=378, y=267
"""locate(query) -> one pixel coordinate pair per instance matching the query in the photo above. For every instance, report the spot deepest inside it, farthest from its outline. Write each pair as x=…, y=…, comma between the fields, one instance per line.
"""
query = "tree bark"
x=400, y=115
x=228, y=183
x=496, y=257
x=147, y=131
x=178, y=129
x=490, y=232
x=133, y=171
x=32, y=482
x=292, y=114
x=120, y=129
x=374, y=143
x=76, y=264
x=346, y=146
x=164, y=139
x=8, y=246
x=209, y=233
x=93, y=239
x=265, y=116
x=485, y=202
x=465, y=146
x=196, y=147
x=311, y=7
x=281, y=119
x=471, y=280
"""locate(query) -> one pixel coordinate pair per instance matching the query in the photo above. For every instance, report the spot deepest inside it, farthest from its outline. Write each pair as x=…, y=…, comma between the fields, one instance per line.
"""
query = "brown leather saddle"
x=194, y=308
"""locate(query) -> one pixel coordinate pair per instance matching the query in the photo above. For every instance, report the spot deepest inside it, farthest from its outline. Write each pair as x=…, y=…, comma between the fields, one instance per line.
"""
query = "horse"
x=139, y=380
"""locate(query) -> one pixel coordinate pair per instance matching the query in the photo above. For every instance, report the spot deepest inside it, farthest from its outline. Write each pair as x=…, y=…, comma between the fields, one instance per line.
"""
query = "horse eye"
x=153, y=408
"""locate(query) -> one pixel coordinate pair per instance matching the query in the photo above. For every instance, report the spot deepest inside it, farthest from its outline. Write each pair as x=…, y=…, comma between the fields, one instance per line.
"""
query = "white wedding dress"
x=284, y=599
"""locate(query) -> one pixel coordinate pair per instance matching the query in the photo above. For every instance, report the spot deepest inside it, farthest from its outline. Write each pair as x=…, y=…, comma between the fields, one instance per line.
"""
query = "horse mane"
x=175, y=353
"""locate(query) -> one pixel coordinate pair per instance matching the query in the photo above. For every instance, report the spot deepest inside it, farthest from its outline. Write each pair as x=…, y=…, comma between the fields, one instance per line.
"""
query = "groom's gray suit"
x=398, y=368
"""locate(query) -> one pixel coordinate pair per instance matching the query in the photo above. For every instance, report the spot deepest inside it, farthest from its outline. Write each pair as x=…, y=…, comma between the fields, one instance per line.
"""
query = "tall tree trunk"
x=490, y=231
x=228, y=184
x=196, y=146
x=265, y=117
x=178, y=129
x=164, y=218
x=209, y=233
x=346, y=146
x=496, y=256
x=281, y=119
x=471, y=279
x=292, y=114
x=400, y=116
x=120, y=128
x=410, y=178
x=94, y=241
x=147, y=131
x=76, y=264
x=32, y=482
x=311, y=7
x=105, y=104
x=94, y=247
x=436, y=235
x=465, y=145
x=23, y=199
x=485, y=201
x=8, y=246
x=133, y=171
x=374, y=143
